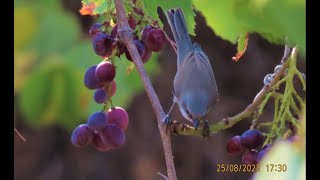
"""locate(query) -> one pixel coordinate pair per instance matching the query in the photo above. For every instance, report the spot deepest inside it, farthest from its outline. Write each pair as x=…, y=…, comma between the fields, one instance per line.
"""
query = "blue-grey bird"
x=195, y=89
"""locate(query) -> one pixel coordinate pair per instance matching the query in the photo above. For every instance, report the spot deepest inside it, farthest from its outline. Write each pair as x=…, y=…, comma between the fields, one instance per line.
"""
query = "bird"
x=194, y=86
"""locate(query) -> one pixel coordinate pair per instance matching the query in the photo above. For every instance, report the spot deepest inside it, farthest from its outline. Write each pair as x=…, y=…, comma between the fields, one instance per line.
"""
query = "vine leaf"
x=95, y=7
x=186, y=5
x=242, y=46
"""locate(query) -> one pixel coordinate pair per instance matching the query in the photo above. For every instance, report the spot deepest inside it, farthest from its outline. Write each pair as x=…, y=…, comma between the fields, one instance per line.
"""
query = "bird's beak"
x=196, y=123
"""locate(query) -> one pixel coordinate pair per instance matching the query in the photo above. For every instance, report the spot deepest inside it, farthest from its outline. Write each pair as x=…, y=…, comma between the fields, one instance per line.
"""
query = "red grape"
x=119, y=117
x=113, y=134
x=250, y=157
x=100, y=145
x=132, y=22
x=105, y=72
x=234, y=145
x=81, y=136
x=153, y=38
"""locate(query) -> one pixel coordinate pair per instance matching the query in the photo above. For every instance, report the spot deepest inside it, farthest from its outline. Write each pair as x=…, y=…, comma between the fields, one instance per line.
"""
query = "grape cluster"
x=104, y=130
x=107, y=44
x=247, y=142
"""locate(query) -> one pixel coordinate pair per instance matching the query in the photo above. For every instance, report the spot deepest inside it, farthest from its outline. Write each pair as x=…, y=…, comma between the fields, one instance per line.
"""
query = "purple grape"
x=147, y=55
x=119, y=117
x=132, y=22
x=97, y=121
x=95, y=28
x=99, y=145
x=263, y=151
x=114, y=31
x=102, y=44
x=234, y=145
x=90, y=79
x=114, y=135
x=153, y=38
x=105, y=72
x=251, y=138
x=250, y=157
x=140, y=47
x=100, y=96
x=81, y=136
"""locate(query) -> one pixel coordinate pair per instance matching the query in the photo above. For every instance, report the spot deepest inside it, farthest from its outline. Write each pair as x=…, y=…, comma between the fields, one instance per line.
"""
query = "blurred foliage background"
x=52, y=50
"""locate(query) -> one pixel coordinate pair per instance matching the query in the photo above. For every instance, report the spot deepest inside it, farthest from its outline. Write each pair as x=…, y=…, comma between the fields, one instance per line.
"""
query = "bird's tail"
x=180, y=33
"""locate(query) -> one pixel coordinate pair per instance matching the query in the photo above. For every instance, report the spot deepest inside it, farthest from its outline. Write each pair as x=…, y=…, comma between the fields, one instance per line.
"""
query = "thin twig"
x=184, y=129
x=164, y=177
x=23, y=139
x=125, y=35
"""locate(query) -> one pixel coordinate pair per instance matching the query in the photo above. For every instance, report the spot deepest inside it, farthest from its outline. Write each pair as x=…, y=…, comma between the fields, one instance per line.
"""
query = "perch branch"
x=125, y=35
x=184, y=129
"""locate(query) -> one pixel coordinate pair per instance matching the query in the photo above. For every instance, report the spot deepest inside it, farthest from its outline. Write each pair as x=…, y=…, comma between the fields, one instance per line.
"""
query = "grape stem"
x=125, y=35
x=225, y=123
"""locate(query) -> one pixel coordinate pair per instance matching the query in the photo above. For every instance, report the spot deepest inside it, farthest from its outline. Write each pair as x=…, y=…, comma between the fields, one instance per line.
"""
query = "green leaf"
x=150, y=6
x=128, y=85
x=273, y=19
x=283, y=154
x=26, y=24
x=54, y=94
x=96, y=7
x=57, y=32
x=219, y=16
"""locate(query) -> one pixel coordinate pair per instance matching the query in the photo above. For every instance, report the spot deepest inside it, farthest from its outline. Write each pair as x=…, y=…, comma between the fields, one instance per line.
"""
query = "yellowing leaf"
x=87, y=9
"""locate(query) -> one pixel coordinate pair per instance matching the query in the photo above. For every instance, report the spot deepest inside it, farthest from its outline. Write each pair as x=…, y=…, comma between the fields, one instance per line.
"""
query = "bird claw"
x=206, y=130
x=167, y=123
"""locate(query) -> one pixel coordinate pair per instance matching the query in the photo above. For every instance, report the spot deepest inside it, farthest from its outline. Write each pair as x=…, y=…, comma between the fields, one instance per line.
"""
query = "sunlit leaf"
x=54, y=94
x=186, y=5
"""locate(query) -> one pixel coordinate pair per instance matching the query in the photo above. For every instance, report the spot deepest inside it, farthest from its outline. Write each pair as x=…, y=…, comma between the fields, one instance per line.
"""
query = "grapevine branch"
x=125, y=35
x=184, y=129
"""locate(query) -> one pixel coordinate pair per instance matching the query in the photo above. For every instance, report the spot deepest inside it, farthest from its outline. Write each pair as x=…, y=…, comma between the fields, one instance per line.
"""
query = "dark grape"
x=105, y=72
x=102, y=44
x=153, y=38
x=141, y=49
x=234, y=145
x=99, y=145
x=250, y=157
x=95, y=28
x=263, y=151
x=111, y=88
x=113, y=134
x=251, y=138
x=147, y=55
x=97, y=121
x=132, y=22
x=114, y=31
x=81, y=136
x=119, y=117
x=90, y=79
x=100, y=96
